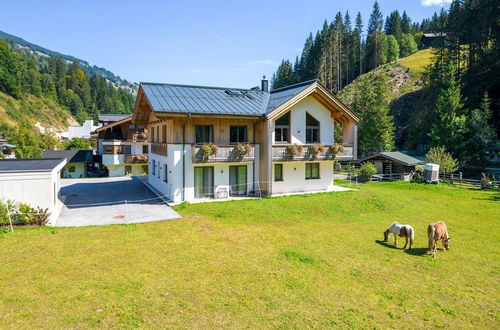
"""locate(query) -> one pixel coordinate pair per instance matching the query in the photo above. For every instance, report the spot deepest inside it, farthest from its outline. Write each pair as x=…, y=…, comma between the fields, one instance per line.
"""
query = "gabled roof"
x=184, y=99
x=396, y=156
x=72, y=156
x=110, y=117
x=281, y=95
x=29, y=164
x=115, y=123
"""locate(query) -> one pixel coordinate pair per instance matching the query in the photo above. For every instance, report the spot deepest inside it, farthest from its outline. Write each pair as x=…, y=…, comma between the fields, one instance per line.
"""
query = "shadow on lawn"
x=412, y=252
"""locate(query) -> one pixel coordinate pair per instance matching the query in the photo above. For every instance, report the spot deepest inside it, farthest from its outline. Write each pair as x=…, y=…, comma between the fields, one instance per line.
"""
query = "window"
x=164, y=134
x=144, y=148
x=165, y=178
x=128, y=170
x=312, y=171
x=153, y=170
x=72, y=169
x=127, y=149
x=278, y=172
x=312, y=129
x=204, y=133
x=131, y=128
x=108, y=149
x=282, y=129
x=140, y=129
x=237, y=134
x=159, y=170
x=144, y=169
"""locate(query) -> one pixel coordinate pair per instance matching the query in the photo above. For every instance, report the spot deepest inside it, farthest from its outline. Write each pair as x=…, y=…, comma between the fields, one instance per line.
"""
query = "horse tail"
x=412, y=234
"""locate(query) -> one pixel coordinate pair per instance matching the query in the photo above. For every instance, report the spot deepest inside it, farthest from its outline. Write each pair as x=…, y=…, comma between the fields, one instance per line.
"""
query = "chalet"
x=392, y=162
x=432, y=40
x=123, y=147
x=212, y=142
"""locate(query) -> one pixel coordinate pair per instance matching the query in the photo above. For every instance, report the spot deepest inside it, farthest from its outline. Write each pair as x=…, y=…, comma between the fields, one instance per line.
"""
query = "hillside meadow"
x=285, y=262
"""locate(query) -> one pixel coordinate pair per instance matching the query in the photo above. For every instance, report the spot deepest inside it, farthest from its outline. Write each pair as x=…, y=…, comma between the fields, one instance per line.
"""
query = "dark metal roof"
x=110, y=117
x=29, y=165
x=397, y=157
x=281, y=95
x=72, y=156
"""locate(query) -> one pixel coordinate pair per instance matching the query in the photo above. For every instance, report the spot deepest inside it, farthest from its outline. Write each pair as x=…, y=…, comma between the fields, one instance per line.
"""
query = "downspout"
x=253, y=167
x=184, y=161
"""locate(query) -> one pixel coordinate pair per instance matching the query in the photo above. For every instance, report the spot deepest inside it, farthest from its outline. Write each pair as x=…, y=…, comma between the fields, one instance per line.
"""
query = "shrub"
x=438, y=155
x=367, y=170
x=22, y=214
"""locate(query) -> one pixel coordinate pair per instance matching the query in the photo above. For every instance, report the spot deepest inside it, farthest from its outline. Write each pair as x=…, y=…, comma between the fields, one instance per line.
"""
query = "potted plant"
x=208, y=149
x=315, y=149
x=293, y=150
x=242, y=149
x=336, y=149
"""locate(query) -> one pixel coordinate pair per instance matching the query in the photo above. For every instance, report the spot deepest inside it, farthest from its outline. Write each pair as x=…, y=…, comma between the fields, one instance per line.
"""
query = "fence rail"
x=457, y=178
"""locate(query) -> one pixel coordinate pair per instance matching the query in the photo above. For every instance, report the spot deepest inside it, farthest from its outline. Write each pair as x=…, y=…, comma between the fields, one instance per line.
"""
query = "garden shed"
x=392, y=162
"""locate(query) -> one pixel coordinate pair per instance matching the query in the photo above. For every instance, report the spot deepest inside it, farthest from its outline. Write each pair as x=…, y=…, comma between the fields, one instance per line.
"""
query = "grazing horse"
x=438, y=231
x=402, y=231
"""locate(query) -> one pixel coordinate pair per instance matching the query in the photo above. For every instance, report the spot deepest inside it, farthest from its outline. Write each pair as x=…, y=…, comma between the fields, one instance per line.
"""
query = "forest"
x=457, y=107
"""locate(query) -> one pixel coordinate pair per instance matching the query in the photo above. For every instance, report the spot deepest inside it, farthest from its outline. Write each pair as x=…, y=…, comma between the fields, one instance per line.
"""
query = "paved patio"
x=106, y=201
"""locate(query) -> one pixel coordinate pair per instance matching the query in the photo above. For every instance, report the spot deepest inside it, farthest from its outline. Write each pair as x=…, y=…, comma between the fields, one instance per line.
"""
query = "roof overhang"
x=115, y=123
x=340, y=111
x=382, y=155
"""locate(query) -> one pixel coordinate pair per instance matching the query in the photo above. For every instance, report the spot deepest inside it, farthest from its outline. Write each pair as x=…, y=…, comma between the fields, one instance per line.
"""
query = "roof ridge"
x=197, y=86
x=302, y=83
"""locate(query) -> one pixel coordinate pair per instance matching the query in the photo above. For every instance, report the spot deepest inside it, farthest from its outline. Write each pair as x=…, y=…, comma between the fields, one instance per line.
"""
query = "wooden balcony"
x=136, y=159
x=159, y=149
x=224, y=154
x=136, y=137
x=281, y=153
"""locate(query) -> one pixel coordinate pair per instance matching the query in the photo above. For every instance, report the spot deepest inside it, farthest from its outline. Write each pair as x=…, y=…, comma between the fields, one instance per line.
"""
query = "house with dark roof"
x=77, y=161
x=7, y=149
x=214, y=142
x=392, y=162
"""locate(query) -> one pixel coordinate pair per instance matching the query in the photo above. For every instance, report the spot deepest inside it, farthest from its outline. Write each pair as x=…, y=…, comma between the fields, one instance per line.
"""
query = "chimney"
x=264, y=84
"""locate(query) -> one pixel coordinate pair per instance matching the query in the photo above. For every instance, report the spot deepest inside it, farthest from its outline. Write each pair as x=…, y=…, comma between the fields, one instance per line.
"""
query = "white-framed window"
x=312, y=129
x=282, y=129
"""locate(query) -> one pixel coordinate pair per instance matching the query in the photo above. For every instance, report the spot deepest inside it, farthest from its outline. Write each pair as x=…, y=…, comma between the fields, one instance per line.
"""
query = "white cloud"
x=428, y=3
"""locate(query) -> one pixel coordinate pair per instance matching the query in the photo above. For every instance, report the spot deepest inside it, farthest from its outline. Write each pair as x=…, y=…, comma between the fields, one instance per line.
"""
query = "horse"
x=397, y=229
x=438, y=231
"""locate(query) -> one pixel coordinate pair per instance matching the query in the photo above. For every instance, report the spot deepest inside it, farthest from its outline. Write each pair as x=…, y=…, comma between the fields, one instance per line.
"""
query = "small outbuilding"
x=33, y=181
x=392, y=162
x=77, y=161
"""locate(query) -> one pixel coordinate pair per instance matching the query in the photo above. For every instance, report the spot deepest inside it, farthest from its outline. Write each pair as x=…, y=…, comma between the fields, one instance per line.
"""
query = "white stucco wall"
x=79, y=170
x=294, y=174
x=38, y=189
x=82, y=131
x=298, y=121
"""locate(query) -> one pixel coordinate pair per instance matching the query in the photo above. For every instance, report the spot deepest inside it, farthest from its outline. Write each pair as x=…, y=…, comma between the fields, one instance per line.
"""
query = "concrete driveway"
x=106, y=201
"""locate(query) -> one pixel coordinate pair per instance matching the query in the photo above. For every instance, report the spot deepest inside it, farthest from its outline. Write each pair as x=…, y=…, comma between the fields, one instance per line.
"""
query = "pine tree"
x=284, y=76
x=393, y=25
x=405, y=23
x=358, y=33
x=376, y=42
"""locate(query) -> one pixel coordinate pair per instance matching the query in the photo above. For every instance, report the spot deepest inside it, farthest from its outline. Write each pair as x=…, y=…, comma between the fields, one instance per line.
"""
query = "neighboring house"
x=124, y=147
x=82, y=131
x=7, y=150
x=108, y=118
x=392, y=162
x=33, y=181
x=77, y=161
x=184, y=120
x=432, y=40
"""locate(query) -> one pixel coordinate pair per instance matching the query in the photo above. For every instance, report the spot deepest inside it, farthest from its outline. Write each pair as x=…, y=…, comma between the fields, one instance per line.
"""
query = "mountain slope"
x=41, y=55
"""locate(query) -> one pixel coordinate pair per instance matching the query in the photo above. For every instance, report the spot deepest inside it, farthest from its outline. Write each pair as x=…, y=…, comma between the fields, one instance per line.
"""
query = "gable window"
x=312, y=129
x=237, y=134
x=282, y=129
x=278, y=172
x=312, y=171
x=204, y=133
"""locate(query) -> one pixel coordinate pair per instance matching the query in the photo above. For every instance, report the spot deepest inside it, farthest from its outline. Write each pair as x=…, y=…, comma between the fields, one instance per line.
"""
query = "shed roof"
x=395, y=156
x=29, y=165
x=72, y=156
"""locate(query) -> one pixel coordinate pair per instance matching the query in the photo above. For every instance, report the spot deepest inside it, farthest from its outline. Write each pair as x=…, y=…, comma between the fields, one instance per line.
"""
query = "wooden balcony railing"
x=281, y=153
x=159, y=149
x=226, y=153
x=136, y=159
x=136, y=137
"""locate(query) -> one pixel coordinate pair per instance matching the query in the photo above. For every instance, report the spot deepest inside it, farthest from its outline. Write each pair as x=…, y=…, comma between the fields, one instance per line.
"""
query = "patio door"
x=203, y=181
x=238, y=179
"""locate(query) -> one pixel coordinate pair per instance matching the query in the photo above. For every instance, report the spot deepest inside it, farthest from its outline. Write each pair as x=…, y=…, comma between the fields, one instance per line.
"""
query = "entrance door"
x=238, y=179
x=203, y=182
x=387, y=167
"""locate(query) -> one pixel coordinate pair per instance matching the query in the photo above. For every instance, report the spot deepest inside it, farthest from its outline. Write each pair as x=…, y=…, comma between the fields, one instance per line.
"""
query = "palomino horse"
x=437, y=231
x=405, y=231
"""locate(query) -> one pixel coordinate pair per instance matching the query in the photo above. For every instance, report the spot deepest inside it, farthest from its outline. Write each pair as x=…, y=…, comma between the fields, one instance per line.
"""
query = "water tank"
x=431, y=173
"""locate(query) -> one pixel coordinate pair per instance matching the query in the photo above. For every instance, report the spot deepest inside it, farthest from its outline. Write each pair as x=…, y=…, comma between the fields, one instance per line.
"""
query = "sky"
x=214, y=43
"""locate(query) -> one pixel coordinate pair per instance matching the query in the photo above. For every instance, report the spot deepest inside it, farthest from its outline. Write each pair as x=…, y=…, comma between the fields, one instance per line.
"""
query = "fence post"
x=452, y=178
x=460, y=174
x=10, y=219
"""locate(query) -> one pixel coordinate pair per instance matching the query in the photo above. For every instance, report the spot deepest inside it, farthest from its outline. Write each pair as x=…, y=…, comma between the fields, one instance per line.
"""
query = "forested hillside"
x=446, y=96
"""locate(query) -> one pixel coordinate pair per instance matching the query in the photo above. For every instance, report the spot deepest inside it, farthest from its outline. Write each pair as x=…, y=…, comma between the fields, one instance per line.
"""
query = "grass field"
x=289, y=262
x=418, y=61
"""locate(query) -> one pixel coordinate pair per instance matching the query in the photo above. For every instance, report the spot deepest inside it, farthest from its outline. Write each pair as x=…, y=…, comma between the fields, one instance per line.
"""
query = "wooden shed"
x=392, y=162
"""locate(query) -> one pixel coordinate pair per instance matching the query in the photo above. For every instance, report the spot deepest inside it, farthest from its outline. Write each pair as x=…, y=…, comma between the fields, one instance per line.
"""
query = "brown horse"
x=437, y=231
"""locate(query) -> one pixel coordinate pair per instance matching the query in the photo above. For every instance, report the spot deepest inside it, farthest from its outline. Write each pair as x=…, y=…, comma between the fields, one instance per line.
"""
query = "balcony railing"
x=136, y=159
x=281, y=153
x=159, y=149
x=225, y=153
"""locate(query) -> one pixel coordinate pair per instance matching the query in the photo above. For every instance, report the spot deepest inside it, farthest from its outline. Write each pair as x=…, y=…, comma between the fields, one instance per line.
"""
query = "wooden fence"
x=457, y=178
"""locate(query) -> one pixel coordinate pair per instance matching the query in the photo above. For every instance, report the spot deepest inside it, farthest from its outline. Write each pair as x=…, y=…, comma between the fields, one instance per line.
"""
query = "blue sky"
x=218, y=43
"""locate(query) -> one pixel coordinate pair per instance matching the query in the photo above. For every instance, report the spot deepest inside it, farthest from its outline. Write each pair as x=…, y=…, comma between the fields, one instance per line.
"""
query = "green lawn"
x=418, y=61
x=289, y=262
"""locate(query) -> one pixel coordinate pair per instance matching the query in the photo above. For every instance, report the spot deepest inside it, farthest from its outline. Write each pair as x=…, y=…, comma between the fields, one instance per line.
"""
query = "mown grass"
x=419, y=61
x=288, y=262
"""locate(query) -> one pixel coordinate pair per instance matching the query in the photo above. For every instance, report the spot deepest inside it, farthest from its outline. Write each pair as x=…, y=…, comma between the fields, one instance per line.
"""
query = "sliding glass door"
x=238, y=179
x=203, y=181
